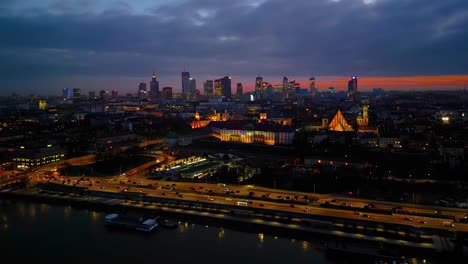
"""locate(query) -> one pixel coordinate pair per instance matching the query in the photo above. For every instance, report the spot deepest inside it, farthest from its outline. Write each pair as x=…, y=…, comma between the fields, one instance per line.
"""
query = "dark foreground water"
x=45, y=233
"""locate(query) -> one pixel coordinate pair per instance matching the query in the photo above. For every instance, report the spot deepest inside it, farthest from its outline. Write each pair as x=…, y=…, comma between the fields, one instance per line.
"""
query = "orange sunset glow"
x=397, y=83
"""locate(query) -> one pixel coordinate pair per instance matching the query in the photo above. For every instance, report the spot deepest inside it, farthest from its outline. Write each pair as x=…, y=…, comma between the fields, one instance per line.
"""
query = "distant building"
x=239, y=90
x=192, y=89
x=312, y=86
x=31, y=157
x=258, y=84
x=208, y=88
x=154, y=87
x=352, y=88
x=115, y=94
x=142, y=90
x=77, y=93
x=223, y=87
x=104, y=94
x=66, y=94
x=167, y=93
x=185, y=84
x=285, y=83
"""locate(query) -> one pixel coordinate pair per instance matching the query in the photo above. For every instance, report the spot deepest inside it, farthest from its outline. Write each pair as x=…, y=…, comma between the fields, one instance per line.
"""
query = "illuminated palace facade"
x=245, y=132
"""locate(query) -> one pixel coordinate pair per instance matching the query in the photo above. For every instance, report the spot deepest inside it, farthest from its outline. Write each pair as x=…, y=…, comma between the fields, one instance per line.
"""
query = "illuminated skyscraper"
x=167, y=93
x=312, y=90
x=352, y=84
x=76, y=93
x=115, y=94
x=208, y=88
x=285, y=83
x=185, y=83
x=352, y=88
x=258, y=84
x=227, y=92
x=142, y=90
x=154, y=87
x=104, y=94
x=223, y=87
x=192, y=89
x=66, y=93
x=239, y=90
x=218, y=87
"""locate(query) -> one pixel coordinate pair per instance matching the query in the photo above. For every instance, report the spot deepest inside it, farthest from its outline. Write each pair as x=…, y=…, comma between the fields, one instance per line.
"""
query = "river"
x=37, y=232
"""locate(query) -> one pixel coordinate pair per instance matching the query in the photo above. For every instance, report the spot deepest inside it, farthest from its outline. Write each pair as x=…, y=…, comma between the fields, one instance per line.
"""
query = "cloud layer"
x=54, y=44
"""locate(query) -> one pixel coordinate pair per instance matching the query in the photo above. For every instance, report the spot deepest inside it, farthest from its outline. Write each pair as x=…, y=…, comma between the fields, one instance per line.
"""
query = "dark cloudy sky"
x=46, y=45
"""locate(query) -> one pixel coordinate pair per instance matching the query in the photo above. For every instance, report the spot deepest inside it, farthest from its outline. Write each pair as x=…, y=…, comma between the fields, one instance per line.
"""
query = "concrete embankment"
x=290, y=227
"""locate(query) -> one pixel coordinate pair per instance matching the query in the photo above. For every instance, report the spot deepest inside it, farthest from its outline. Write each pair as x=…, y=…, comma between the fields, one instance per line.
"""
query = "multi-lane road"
x=249, y=196
x=281, y=200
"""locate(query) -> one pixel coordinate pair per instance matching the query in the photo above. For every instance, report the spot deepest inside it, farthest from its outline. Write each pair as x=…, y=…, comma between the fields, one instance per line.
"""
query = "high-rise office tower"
x=352, y=84
x=312, y=89
x=258, y=83
x=192, y=95
x=185, y=83
x=227, y=92
x=167, y=93
x=223, y=87
x=192, y=85
x=352, y=88
x=154, y=87
x=115, y=94
x=92, y=95
x=104, y=94
x=76, y=93
x=285, y=83
x=142, y=90
x=239, y=90
x=218, y=87
x=66, y=93
x=208, y=88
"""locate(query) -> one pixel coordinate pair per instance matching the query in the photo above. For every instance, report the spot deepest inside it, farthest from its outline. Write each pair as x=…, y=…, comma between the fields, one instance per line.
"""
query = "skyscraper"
x=142, y=90
x=167, y=93
x=352, y=88
x=352, y=84
x=258, y=84
x=66, y=93
x=218, y=87
x=192, y=89
x=227, y=92
x=154, y=87
x=223, y=87
x=239, y=90
x=104, y=94
x=285, y=83
x=208, y=88
x=115, y=94
x=185, y=83
x=76, y=93
x=312, y=90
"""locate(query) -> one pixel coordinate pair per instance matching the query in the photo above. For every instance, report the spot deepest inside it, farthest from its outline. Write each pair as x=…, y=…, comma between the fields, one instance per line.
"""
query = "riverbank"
x=291, y=227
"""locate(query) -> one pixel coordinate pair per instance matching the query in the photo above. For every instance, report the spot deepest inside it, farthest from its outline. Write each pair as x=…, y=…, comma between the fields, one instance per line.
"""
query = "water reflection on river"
x=61, y=234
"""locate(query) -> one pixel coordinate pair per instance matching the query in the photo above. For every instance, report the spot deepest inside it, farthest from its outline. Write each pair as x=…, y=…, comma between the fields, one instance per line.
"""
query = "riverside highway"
x=255, y=197
x=273, y=199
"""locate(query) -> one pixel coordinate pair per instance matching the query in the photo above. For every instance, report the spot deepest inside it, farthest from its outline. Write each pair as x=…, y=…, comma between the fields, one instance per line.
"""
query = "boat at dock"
x=131, y=222
x=168, y=223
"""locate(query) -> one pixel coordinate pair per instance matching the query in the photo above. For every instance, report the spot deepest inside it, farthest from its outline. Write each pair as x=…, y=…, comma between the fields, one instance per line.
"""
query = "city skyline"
x=109, y=44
